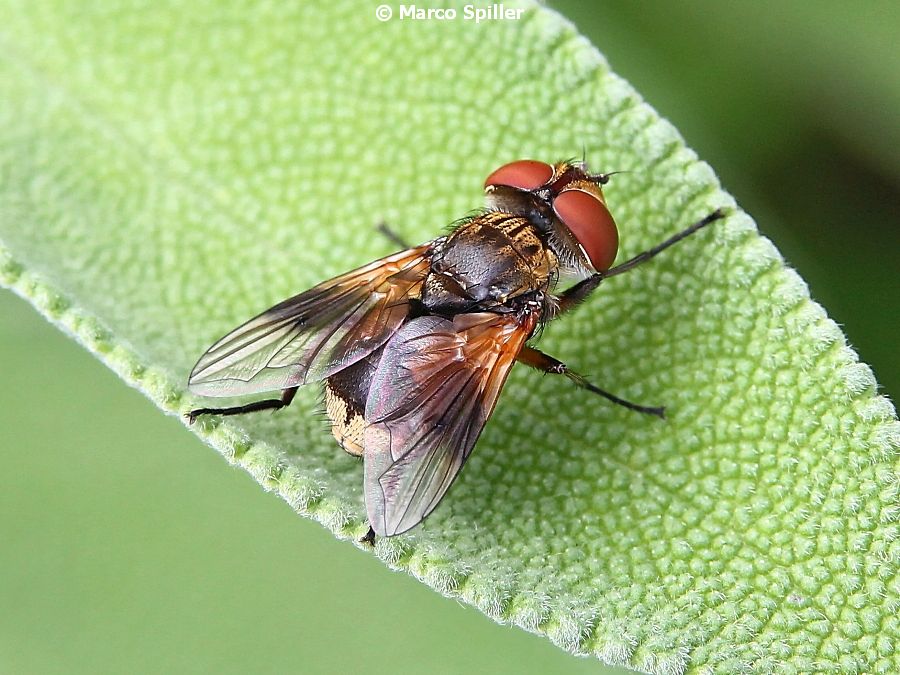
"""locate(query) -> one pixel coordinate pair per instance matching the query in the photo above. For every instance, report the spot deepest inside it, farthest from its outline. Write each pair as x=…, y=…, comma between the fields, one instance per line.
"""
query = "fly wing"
x=316, y=333
x=434, y=389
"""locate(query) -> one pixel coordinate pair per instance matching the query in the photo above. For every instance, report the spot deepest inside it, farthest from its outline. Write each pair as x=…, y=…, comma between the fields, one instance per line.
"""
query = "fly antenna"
x=603, y=178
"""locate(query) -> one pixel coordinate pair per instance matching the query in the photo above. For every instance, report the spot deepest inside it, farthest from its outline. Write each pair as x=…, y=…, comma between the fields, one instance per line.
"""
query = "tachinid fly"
x=414, y=348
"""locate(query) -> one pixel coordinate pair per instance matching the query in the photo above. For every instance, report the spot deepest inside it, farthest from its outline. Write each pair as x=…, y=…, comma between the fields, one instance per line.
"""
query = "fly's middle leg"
x=547, y=364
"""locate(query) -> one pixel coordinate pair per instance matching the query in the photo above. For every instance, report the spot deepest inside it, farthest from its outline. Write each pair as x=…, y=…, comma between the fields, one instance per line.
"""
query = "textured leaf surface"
x=168, y=171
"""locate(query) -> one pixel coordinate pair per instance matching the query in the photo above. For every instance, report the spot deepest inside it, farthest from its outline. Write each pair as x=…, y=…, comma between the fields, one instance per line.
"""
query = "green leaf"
x=169, y=171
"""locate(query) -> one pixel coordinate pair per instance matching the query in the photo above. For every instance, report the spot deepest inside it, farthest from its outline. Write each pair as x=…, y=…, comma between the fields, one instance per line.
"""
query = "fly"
x=414, y=348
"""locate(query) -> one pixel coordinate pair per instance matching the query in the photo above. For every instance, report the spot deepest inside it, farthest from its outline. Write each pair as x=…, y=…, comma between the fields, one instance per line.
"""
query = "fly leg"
x=369, y=537
x=577, y=293
x=718, y=214
x=392, y=236
x=545, y=363
x=287, y=395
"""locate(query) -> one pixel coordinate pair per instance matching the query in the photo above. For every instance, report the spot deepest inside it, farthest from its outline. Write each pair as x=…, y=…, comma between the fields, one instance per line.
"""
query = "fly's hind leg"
x=392, y=236
x=545, y=363
x=287, y=395
x=368, y=537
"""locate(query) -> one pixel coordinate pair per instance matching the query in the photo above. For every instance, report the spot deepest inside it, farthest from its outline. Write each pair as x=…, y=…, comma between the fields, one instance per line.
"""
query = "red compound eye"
x=592, y=224
x=526, y=174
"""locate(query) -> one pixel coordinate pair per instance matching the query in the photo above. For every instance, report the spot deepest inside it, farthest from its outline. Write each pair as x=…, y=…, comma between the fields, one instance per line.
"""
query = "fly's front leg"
x=580, y=291
x=547, y=364
x=273, y=404
x=575, y=295
x=630, y=264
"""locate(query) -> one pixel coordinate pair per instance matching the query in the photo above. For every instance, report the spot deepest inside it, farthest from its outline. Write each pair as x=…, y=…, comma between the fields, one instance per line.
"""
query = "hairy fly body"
x=414, y=348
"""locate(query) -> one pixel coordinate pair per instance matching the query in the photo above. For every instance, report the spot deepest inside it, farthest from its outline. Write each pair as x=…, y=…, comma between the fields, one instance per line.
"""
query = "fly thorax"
x=487, y=261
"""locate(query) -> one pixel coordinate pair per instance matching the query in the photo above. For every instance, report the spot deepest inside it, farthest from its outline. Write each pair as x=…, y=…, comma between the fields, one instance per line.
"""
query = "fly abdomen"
x=345, y=401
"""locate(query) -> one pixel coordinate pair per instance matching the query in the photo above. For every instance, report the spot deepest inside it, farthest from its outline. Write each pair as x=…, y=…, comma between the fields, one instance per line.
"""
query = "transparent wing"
x=316, y=333
x=434, y=389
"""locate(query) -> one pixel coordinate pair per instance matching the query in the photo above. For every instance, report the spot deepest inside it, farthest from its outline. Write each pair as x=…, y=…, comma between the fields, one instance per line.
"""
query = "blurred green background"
x=129, y=545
